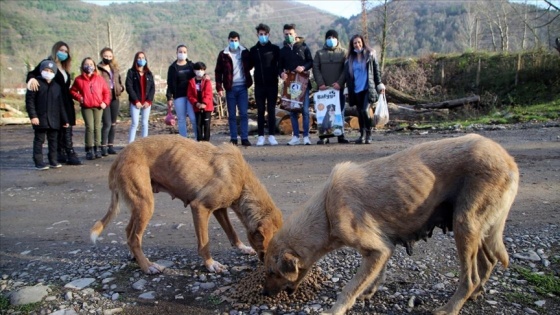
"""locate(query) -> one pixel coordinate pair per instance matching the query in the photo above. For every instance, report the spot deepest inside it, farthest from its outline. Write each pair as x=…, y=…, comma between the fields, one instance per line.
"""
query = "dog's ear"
x=289, y=267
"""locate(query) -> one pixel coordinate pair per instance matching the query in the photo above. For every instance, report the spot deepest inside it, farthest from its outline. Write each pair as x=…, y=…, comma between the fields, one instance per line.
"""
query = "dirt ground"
x=53, y=210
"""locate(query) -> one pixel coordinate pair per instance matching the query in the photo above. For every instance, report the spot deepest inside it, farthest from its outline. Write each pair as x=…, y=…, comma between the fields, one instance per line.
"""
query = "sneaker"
x=272, y=140
x=245, y=143
x=55, y=165
x=294, y=141
x=323, y=141
x=260, y=141
x=306, y=141
x=41, y=167
x=341, y=139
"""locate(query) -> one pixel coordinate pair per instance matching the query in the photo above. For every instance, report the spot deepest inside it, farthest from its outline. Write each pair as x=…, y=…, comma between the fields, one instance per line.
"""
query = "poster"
x=327, y=110
x=293, y=91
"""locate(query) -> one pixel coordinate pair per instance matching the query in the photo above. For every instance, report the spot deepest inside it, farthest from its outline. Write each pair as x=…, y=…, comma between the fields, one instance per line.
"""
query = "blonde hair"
x=114, y=64
x=66, y=64
x=84, y=61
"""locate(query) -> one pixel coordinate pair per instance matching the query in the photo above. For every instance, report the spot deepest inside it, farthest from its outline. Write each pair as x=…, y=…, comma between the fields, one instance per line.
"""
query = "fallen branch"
x=450, y=103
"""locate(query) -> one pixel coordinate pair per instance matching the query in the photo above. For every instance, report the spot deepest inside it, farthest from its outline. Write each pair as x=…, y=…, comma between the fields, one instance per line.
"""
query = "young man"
x=328, y=71
x=264, y=58
x=296, y=56
x=233, y=76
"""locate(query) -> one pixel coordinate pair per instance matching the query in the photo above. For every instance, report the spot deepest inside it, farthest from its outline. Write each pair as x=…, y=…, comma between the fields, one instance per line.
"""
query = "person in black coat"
x=45, y=108
x=60, y=55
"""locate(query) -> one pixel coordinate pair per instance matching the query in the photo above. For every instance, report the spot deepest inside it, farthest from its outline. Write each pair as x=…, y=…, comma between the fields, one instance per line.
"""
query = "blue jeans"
x=294, y=117
x=238, y=97
x=135, y=115
x=184, y=108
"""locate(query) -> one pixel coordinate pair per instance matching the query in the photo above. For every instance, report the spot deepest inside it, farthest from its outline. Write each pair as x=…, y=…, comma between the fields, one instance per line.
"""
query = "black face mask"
x=107, y=61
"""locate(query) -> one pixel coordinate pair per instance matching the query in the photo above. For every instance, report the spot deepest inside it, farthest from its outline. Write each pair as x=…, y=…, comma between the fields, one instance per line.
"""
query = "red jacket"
x=93, y=90
x=207, y=95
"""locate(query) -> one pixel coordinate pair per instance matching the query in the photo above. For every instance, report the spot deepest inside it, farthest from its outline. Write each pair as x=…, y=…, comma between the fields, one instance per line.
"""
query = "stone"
x=79, y=283
x=150, y=295
x=28, y=295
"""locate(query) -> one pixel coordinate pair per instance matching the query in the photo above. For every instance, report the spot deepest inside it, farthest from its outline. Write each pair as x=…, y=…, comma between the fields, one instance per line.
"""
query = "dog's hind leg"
x=223, y=218
x=373, y=263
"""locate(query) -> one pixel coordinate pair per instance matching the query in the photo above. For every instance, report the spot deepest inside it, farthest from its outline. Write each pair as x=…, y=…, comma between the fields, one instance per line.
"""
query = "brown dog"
x=465, y=184
x=208, y=178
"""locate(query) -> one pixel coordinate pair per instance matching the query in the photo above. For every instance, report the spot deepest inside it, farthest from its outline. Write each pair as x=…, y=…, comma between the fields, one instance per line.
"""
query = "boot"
x=111, y=150
x=341, y=139
x=104, y=150
x=61, y=156
x=72, y=158
x=360, y=140
x=368, y=136
x=89, y=154
x=97, y=152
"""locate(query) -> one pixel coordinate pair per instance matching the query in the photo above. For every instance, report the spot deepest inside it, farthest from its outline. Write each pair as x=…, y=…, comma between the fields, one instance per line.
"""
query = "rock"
x=151, y=295
x=529, y=255
x=540, y=303
x=113, y=311
x=65, y=312
x=28, y=295
x=79, y=283
x=140, y=284
x=207, y=285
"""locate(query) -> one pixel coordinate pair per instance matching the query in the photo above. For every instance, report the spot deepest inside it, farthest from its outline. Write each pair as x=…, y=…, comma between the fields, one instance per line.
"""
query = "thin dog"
x=208, y=178
x=466, y=185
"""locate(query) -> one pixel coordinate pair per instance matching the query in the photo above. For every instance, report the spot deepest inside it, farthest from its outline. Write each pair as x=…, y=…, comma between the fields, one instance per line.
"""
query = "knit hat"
x=332, y=33
x=48, y=64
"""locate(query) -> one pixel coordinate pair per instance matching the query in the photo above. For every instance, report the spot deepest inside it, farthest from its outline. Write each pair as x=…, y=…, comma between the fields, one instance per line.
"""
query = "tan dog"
x=465, y=184
x=208, y=178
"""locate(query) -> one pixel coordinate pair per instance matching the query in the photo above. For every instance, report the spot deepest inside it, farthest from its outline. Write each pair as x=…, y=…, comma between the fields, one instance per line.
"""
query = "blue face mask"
x=331, y=42
x=359, y=51
x=61, y=55
x=141, y=62
x=263, y=39
x=233, y=45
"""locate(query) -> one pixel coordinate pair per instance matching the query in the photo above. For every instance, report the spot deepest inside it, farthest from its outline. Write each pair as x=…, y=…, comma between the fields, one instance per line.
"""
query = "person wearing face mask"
x=296, y=56
x=60, y=55
x=93, y=94
x=264, y=58
x=363, y=79
x=328, y=71
x=109, y=70
x=201, y=97
x=233, y=75
x=46, y=111
x=179, y=74
x=141, y=90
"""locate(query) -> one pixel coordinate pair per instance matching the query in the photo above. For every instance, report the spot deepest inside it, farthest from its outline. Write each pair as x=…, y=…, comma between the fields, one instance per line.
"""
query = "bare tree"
x=389, y=16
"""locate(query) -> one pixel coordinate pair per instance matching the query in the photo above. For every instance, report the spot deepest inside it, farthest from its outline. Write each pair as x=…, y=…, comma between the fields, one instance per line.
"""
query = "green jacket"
x=328, y=66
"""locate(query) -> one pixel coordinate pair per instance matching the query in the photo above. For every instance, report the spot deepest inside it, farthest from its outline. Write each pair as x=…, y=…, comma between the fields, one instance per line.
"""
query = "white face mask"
x=181, y=56
x=47, y=75
x=199, y=73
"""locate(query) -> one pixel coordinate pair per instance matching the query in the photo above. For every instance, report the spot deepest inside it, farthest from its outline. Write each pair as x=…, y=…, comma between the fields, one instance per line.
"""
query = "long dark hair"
x=351, y=53
x=66, y=64
x=135, y=65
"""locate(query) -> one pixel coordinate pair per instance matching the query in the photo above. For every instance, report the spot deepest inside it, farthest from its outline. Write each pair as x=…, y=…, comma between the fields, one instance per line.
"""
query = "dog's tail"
x=111, y=213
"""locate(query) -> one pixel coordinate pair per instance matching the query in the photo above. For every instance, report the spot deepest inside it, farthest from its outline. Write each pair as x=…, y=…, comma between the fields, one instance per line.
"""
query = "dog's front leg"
x=373, y=262
x=223, y=218
x=201, y=216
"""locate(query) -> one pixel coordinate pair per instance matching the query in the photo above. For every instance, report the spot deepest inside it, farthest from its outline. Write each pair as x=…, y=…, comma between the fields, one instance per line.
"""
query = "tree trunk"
x=401, y=97
x=450, y=103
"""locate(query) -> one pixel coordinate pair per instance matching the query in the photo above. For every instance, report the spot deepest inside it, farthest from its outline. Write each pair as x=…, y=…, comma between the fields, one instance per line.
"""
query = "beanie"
x=332, y=33
x=48, y=64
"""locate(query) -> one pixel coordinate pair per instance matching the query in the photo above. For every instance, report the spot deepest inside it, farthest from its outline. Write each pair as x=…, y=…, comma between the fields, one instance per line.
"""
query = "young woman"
x=179, y=74
x=363, y=79
x=109, y=70
x=94, y=95
x=141, y=89
x=60, y=54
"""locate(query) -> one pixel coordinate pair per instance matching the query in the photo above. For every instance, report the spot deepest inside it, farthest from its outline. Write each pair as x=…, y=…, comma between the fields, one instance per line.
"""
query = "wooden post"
x=477, y=83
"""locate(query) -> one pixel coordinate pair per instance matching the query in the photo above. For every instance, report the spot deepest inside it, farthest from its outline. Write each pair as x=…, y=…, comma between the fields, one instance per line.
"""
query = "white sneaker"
x=260, y=141
x=306, y=141
x=272, y=140
x=294, y=141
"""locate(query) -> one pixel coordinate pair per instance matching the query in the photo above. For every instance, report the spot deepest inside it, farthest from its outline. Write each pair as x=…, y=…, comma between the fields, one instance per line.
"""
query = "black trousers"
x=39, y=140
x=65, y=143
x=203, y=120
x=110, y=116
x=362, y=105
x=268, y=95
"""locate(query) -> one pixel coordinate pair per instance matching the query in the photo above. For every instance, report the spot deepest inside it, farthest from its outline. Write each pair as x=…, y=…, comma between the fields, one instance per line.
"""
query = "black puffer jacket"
x=294, y=56
x=47, y=105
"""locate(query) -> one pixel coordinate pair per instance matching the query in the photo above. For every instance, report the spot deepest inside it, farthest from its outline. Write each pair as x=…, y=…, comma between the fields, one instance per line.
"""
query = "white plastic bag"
x=381, y=115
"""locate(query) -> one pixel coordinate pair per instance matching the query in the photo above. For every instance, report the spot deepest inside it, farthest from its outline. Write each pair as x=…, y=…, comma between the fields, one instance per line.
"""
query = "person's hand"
x=81, y=100
x=170, y=104
x=146, y=105
x=138, y=105
x=336, y=86
x=66, y=125
x=322, y=87
x=103, y=105
x=35, y=121
x=33, y=85
x=300, y=69
x=201, y=105
x=283, y=76
x=221, y=93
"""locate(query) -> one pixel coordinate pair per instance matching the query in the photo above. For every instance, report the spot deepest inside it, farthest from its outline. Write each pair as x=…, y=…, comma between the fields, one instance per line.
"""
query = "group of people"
x=49, y=98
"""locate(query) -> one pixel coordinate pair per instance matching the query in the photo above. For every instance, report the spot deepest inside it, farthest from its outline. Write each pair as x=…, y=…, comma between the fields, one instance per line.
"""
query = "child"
x=45, y=108
x=201, y=97
x=91, y=90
